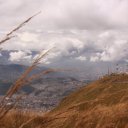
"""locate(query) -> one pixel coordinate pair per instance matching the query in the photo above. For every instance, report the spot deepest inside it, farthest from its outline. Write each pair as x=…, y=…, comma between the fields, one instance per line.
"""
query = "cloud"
x=19, y=56
x=81, y=58
x=28, y=37
x=101, y=46
x=48, y=58
x=70, y=14
x=94, y=58
x=113, y=45
x=86, y=28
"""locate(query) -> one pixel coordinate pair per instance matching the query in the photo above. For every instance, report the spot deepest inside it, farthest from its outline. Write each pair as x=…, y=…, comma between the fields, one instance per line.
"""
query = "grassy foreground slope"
x=102, y=104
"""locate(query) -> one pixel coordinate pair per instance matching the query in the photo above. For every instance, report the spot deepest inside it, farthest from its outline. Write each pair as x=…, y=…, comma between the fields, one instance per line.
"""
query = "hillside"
x=102, y=104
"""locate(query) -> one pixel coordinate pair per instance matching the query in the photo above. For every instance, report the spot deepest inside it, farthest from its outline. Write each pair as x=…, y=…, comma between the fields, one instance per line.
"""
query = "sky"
x=81, y=31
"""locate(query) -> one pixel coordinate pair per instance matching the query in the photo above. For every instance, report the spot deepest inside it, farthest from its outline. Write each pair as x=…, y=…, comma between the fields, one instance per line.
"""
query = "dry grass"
x=9, y=118
x=14, y=119
x=19, y=119
x=24, y=78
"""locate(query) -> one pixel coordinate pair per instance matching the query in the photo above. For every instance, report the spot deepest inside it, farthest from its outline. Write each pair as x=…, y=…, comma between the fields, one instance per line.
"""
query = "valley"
x=42, y=94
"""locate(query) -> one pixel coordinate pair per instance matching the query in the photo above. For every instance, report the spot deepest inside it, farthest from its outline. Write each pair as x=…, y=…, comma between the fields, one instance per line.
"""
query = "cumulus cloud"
x=113, y=46
x=81, y=58
x=82, y=29
x=47, y=59
x=19, y=56
x=28, y=37
x=101, y=46
x=94, y=58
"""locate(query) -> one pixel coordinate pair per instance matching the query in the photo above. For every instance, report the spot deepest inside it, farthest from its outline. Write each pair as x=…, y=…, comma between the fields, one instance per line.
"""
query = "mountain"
x=101, y=104
x=11, y=72
x=43, y=93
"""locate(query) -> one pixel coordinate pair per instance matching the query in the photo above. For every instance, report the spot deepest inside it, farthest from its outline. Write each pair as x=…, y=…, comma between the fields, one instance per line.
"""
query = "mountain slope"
x=102, y=104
